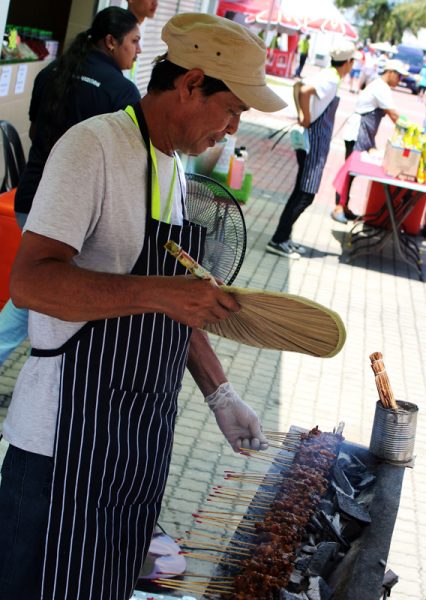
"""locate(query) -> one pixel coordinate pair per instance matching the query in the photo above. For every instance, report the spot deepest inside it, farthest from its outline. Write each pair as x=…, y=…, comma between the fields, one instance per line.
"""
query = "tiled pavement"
x=383, y=305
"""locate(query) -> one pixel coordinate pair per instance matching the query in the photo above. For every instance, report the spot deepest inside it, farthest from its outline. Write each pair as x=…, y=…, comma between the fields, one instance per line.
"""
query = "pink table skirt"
x=354, y=164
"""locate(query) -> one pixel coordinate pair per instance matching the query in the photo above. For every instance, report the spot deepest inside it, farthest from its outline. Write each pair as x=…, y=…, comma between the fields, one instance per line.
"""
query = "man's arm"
x=392, y=114
x=45, y=279
x=203, y=363
x=237, y=421
x=306, y=91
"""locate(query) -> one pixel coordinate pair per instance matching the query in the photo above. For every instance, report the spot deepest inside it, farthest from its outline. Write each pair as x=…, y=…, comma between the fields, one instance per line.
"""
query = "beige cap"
x=396, y=65
x=343, y=51
x=223, y=50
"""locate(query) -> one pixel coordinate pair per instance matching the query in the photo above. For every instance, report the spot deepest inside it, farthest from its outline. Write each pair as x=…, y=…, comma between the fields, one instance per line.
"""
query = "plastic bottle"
x=421, y=171
x=223, y=164
x=417, y=143
x=236, y=172
x=407, y=139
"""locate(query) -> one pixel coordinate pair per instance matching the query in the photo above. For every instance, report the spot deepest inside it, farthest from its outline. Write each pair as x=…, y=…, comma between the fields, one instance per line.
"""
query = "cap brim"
x=260, y=97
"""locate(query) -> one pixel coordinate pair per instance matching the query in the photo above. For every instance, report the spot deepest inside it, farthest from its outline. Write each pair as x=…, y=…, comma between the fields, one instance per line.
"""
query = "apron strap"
x=136, y=114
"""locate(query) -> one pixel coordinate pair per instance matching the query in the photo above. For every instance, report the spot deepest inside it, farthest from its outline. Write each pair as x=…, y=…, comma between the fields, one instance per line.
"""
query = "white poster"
x=5, y=77
x=21, y=77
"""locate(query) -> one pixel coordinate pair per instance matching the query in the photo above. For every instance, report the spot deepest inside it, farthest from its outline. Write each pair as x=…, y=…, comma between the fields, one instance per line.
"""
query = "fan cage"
x=211, y=205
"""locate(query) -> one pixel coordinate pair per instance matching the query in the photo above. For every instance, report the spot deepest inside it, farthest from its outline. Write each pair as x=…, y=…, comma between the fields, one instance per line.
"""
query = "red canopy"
x=248, y=7
x=284, y=19
x=331, y=25
x=292, y=16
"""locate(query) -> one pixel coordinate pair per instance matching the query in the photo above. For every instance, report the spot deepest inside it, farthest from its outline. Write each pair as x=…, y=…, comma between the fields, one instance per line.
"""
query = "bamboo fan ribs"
x=384, y=389
x=281, y=321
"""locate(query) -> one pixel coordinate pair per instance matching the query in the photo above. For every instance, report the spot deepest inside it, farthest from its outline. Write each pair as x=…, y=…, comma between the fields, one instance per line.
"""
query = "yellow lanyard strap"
x=156, y=197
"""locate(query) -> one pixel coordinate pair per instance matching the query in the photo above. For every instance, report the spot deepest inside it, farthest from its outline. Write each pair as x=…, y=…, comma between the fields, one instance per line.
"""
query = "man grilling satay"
x=114, y=321
x=359, y=133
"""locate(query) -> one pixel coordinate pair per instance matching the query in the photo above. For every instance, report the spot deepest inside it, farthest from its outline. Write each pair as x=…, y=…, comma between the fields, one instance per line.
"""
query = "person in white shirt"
x=368, y=69
x=318, y=102
x=360, y=131
x=356, y=71
x=381, y=63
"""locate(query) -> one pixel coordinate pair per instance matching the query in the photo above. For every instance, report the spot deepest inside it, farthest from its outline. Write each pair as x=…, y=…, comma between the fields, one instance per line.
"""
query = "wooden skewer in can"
x=394, y=427
x=384, y=389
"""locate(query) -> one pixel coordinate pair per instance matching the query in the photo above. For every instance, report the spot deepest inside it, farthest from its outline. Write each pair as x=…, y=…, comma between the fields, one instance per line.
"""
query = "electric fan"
x=211, y=205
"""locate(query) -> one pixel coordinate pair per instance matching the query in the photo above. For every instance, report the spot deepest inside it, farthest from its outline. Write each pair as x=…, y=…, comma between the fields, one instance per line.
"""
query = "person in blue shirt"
x=87, y=80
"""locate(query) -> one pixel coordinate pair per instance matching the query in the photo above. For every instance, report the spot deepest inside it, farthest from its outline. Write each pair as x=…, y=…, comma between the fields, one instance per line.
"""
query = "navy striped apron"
x=368, y=128
x=120, y=379
x=320, y=132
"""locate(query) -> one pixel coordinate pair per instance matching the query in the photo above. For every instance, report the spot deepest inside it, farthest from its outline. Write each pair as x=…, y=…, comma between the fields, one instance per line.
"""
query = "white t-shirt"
x=370, y=63
x=377, y=94
x=358, y=60
x=326, y=84
x=91, y=197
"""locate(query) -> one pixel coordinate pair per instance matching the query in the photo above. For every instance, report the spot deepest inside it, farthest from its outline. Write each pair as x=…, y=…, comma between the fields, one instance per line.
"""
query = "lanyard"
x=339, y=79
x=156, y=197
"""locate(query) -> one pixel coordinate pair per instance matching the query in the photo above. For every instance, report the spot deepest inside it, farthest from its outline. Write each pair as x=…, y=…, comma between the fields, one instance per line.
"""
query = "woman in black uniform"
x=87, y=80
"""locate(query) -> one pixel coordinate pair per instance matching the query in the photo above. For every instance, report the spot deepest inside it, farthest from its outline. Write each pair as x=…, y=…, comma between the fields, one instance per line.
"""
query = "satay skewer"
x=217, y=538
x=210, y=557
x=233, y=501
x=232, y=490
x=277, y=476
x=191, y=587
x=200, y=575
x=281, y=447
x=215, y=548
x=218, y=512
x=272, y=455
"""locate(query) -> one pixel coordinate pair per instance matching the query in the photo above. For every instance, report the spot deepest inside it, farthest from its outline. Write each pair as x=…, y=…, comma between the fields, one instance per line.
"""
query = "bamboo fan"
x=280, y=321
x=273, y=320
x=386, y=395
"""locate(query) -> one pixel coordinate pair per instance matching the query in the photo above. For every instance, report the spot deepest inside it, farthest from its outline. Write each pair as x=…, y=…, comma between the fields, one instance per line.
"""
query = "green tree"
x=411, y=15
x=384, y=20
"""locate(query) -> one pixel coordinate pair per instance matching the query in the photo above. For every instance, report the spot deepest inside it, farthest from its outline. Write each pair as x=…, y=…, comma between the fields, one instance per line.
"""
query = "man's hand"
x=237, y=421
x=195, y=302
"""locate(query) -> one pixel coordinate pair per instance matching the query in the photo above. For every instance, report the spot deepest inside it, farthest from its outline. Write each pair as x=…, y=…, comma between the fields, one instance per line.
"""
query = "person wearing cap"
x=316, y=106
x=359, y=133
x=114, y=321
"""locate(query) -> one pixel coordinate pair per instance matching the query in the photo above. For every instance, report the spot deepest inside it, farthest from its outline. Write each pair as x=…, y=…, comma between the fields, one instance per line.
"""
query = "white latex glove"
x=237, y=421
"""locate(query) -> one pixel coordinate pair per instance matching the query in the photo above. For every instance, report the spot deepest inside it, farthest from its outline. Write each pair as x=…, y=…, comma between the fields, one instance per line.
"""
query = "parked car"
x=413, y=58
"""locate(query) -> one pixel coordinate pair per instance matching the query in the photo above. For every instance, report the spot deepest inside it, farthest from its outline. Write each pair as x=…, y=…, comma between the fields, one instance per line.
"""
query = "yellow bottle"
x=421, y=171
x=416, y=140
x=407, y=139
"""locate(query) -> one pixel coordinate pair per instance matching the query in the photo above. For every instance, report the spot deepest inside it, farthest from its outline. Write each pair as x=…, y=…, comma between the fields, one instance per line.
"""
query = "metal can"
x=394, y=432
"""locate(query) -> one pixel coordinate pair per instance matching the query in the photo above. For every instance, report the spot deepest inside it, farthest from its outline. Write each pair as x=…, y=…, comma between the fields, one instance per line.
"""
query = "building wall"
x=14, y=106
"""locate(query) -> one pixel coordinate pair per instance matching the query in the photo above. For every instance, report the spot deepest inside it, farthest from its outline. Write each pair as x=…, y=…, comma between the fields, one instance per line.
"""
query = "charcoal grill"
x=340, y=548
x=358, y=572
